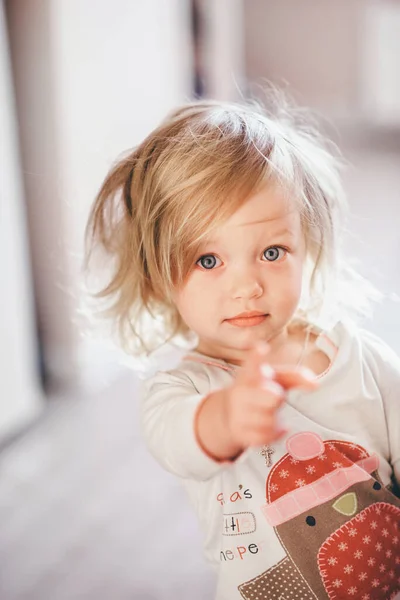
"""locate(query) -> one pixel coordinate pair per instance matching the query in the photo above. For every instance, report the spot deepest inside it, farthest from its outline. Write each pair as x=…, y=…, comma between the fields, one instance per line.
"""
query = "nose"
x=246, y=284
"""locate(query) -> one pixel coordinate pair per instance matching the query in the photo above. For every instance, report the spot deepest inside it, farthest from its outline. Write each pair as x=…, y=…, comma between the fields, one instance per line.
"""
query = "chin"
x=245, y=342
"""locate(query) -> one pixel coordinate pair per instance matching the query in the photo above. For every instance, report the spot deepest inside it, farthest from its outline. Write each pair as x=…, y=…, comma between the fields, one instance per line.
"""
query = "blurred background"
x=84, y=511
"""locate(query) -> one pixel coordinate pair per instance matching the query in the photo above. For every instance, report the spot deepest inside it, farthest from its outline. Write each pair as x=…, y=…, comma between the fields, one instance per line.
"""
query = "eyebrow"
x=281, y=232
x=275, y=234
x=284, y=230
x=257, y=222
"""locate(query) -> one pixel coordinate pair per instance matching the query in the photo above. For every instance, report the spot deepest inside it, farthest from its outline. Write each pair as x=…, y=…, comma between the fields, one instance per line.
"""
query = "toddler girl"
x=283, y=420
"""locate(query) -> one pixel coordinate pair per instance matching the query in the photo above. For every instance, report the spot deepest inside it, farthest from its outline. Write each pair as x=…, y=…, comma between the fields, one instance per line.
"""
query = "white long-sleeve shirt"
x=323, y=520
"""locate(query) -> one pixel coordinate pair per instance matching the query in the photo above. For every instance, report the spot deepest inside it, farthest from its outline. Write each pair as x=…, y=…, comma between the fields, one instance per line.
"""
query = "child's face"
x=253, y=263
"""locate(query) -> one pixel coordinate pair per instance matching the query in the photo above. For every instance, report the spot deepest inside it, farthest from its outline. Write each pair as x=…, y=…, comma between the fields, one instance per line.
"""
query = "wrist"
x=212, y=430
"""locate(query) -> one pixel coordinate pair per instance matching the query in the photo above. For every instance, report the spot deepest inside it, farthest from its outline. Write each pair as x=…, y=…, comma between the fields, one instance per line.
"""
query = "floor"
x=85, y=512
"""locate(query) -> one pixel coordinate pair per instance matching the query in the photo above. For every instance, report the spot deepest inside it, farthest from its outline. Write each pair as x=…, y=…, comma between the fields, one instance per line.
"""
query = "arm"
x=169, y=407
x=195, y=436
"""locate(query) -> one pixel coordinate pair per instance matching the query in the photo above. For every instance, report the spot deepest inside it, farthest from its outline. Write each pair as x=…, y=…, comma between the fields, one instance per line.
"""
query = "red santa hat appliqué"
x=313, y=472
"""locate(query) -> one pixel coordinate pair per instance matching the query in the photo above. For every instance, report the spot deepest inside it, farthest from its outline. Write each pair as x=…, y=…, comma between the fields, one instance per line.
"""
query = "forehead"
x=268, y=204
x=271, y=209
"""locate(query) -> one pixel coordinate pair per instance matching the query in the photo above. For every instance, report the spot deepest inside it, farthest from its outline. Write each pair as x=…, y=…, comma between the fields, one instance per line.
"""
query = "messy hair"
x=161, y=199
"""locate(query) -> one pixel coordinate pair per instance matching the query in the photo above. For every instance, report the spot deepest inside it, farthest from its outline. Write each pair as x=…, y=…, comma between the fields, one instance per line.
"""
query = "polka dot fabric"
x=283, y=581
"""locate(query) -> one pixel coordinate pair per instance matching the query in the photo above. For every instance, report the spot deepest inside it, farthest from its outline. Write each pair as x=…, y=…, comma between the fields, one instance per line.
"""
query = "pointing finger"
x=255, y=369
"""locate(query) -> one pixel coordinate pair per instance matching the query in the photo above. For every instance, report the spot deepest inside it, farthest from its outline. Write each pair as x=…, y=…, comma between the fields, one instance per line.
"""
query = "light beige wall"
x=381, y=67
x=34, y=65
x=224, y=50
x=20, y=395
x=92, y=79
x=314, y=46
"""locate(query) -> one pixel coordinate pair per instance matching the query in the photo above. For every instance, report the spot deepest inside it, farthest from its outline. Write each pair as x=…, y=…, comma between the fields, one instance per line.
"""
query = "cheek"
x=297, y=274
x=193, y=299
x=297, y=277
x=290, y=275
x=287, y=286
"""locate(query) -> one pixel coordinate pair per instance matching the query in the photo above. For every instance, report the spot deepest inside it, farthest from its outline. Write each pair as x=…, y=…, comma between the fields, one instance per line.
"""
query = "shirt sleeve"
x=168, y=411
x=388, y=376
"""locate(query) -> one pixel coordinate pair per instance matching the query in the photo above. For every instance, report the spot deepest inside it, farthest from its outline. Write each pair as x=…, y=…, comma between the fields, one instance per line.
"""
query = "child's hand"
x=252, y=402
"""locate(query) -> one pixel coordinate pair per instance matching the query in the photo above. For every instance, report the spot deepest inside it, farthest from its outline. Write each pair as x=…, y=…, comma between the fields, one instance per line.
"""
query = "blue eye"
x=273, y=253
x=208, y=261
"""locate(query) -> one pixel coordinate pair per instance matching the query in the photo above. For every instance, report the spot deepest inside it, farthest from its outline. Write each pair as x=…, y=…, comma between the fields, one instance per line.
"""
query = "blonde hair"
x=186, y=178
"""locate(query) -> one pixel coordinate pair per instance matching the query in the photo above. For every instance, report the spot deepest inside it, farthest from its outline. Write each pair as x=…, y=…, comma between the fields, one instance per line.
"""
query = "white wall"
x=92, y=79
x=20, y=396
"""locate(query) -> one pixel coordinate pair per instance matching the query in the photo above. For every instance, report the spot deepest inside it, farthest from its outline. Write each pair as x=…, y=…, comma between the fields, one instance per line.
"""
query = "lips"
x=248, y=319
x=247, y=315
